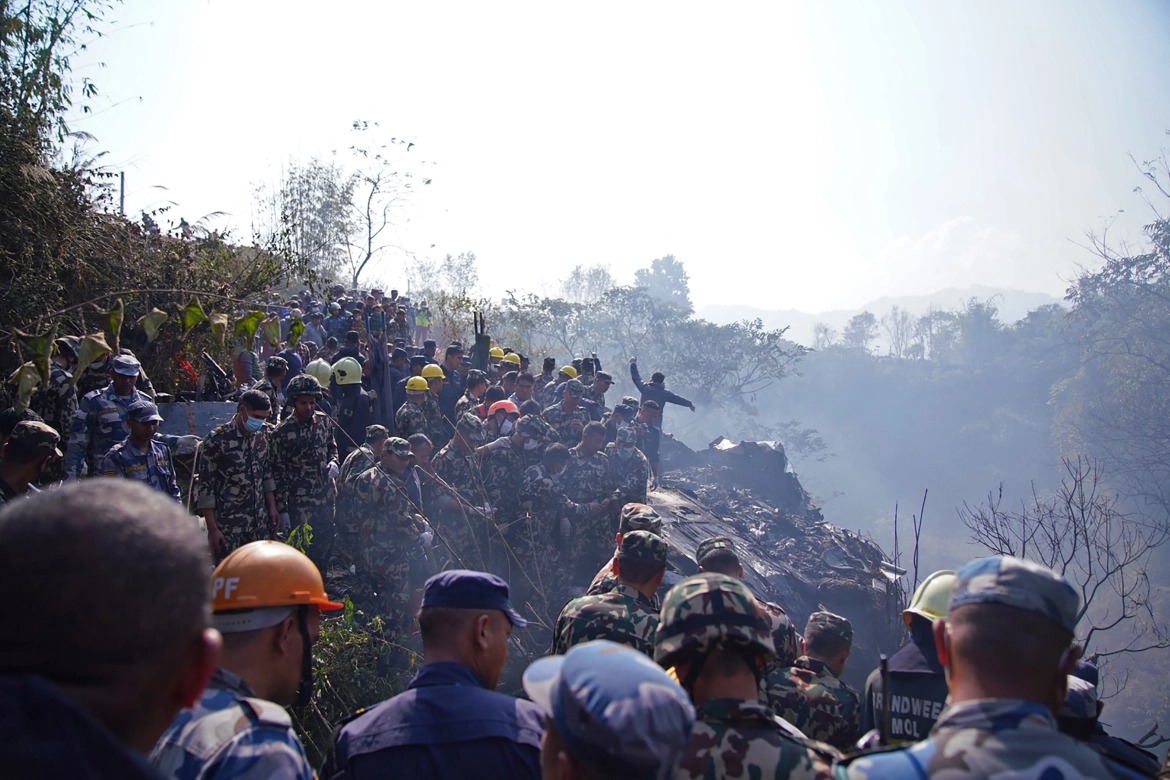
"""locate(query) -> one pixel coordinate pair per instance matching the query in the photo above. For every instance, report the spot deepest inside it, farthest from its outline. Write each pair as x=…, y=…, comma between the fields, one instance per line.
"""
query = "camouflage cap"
x=626, y=436
x=126, y=365
x=31, y=439
x=829, y=623
x=1080, y=700
x=471, y=427
x=530, y=425
x=303, y=384
x=397, y=446
x=143, y=411
x=574, y=388
x=625, y=412
x=639, y=517
x=614, y=710
x=604, y=376
x=708, y=546
x=631, y=402
x=1019, y=583
x=710, y=611
x=277, y=362
x=376, y=432
x=644, y=546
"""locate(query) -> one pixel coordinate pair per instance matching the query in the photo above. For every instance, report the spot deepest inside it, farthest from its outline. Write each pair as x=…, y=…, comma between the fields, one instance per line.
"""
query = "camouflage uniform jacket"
x=56, y=403
x=809, y=696
x=356, y=463
x=386, y=532
x=410, y=420
x=629, y=473
x=437, y=428
x=265, y=386
x=398, y=330
x=623, y=615
x=744, y=739
x=989, y=738
x=562, y=422
x=98, y=424
x=597, y=398
x=463, y=529
x=465, y=404
x=784, y=636
x=587, y=477
x=542, y=495
x=231, y=733
x=548, y=436
x=152, y=466
x=301, y=452
x=235, y=473
x=503, y=473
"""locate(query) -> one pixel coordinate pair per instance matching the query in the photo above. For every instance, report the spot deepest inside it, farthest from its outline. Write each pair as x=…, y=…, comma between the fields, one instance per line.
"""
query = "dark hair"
x=120, y=575
x=525, y=377
x=511, y=375
x=639, y=571
x=10, y=418
x=651, y=404
x=822, y=644
x=593, y=427
x=556, y=453
x=530, y=407
x=475, y=381
x=352, y=337
x=255, y=400
x=721, y=561
x=419, y=438
x=331, y=341
x=658, y=376
x=493, y=394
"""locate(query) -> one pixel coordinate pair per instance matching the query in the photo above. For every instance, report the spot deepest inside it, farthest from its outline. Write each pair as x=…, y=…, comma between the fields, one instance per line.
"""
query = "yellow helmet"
x=416, y=384
x=512, y=358
x=569, y=371
x=931, y=597
x=496, y=352
x=432, y=371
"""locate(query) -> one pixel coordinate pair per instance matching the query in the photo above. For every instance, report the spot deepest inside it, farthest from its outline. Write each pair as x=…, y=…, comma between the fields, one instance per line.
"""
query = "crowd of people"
x=491, y=499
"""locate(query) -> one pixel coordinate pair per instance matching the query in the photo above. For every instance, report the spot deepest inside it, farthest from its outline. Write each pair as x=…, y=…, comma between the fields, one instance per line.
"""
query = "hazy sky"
x=793, y=155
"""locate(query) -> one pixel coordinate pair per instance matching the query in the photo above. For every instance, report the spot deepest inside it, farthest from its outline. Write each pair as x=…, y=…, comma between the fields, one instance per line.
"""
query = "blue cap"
x=614, y=709
x=126, y=365
x=466, y=361
x=1018, y=583
x=143, y=411
x=398, y=353
x=464, y=589
x=419, y=360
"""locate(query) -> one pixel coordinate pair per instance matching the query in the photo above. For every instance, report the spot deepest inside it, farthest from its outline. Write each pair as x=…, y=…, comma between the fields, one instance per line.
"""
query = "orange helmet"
x=268, y=574
x=503, y=406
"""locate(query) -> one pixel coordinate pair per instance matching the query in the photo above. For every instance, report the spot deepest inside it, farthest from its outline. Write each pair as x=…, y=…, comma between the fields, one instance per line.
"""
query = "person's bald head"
x=120, y=578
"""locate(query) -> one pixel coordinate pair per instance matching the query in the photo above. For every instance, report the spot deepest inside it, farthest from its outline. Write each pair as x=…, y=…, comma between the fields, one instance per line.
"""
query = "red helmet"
x=503, y=406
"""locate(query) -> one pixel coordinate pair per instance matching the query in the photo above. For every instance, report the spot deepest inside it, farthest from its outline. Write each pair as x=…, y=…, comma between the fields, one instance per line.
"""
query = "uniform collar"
x=997, y=715
x=733, y=709
x=228, y=681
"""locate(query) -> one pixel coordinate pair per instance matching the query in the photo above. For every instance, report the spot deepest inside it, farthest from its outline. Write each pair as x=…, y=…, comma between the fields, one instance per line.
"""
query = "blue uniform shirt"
x=98, y=424
x=152, y=466
x=446, y=724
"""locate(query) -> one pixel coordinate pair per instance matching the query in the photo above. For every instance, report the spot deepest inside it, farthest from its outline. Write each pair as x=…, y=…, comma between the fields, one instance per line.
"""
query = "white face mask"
x=505, y=427
x=531, y=444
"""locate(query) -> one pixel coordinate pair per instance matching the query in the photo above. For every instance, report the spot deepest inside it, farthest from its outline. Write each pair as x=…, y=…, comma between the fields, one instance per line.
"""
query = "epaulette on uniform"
x=266, y=713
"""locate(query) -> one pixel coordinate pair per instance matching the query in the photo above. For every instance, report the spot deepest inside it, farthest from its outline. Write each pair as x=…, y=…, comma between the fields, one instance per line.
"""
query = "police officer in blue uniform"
x=140, y=456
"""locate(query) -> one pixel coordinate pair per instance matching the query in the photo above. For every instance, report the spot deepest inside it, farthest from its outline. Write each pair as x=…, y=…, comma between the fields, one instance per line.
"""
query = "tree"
x=824, y=335
x=587, y=284
x=899, y=328
x=937, y=332
x=666, y=280
x=1080, y=532
x=860, y=331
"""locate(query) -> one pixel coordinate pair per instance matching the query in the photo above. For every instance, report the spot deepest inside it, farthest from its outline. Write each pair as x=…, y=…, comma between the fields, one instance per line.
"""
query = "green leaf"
x=26, y=378
x=295, y=329
x=219, y=327
x=111, y=322
x=152, y=323
x=245, y=327
x=38, y=348
x=89, y=349
x=192, y=315
x=272, y=330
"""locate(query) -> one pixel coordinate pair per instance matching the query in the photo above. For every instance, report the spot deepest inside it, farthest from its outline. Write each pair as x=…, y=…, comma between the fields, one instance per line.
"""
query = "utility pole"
x=122, y=193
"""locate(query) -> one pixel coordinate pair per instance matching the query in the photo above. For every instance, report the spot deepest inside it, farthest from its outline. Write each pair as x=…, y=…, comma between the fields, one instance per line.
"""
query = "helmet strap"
x=305, y=692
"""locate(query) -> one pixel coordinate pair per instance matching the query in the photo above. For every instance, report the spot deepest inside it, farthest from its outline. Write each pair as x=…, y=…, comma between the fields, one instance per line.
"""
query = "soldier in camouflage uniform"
x=714, y=635
x=628, y=614
x=539, y=435
x=356, y=463
x=270, y=385
x=388, y=533
x=304, y=466
x=140, y=457
x=610, y=713
x=477, y=385
x=437, y=427
x=568, y=418
x=633, y=517
x=549, y=519
x=810, y=694
x=502, y=467
x=718, y=555
x=587, y=478
x=239, y=727
x=28, y=450
x=100, y=420
x=595, y=391
x=57, y=403
x=236, y=488
x=628, y=468
x=411, y=418
x=460, y=509
x=1010, y=626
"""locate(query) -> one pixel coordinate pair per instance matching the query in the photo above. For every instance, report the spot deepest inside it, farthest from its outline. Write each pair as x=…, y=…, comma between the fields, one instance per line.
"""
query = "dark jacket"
x=446, y=724
x=655, y=391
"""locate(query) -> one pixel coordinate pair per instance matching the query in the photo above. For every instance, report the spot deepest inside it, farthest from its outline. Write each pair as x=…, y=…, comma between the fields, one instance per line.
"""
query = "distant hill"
x=1013, y=305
